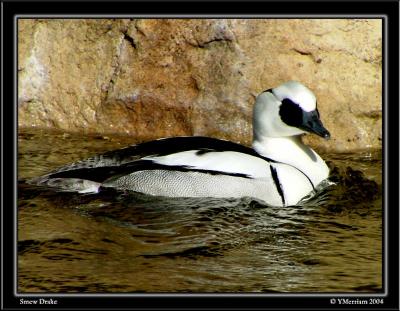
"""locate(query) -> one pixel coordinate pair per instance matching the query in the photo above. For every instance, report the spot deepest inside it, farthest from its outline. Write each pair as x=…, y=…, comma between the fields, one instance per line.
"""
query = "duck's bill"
x=320, y=131
x=313, y=124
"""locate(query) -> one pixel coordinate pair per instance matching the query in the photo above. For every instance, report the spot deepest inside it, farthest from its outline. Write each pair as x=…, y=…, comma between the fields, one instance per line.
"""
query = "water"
x=124, y=242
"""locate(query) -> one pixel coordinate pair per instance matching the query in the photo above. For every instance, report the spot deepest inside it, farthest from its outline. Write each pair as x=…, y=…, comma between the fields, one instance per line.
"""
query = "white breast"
x=291, y=151
x=295, y=185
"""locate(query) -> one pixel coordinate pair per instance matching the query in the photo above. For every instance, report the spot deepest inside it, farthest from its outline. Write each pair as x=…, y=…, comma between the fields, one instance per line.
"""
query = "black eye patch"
x=291, y=113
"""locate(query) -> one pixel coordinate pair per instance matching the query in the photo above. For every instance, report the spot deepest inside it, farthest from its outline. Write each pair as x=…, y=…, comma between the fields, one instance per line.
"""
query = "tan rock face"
x=153, y=78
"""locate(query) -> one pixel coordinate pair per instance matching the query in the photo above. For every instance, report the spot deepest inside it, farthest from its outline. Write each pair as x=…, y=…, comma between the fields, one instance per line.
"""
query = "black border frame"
x=390, y=9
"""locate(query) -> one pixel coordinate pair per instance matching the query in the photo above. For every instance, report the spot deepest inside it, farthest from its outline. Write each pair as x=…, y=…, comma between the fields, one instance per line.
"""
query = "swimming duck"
x=279, y=169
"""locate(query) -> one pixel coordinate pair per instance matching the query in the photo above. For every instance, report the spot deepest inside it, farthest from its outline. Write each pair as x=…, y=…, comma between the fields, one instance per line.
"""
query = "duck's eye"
x=291, y=113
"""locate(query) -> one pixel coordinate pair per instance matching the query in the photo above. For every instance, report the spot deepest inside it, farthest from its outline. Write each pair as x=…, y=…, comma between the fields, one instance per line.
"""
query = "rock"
x=153, y=78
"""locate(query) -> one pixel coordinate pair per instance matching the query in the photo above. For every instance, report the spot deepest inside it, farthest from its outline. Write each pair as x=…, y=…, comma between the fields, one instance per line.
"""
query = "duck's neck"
x=292, y=151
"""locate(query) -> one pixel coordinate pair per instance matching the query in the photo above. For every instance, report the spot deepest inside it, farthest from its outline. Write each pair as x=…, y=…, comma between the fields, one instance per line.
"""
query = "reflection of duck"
x=280, y=169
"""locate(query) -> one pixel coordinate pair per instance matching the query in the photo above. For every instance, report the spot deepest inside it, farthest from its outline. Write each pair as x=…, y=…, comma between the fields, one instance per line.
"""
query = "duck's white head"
x=287, y=110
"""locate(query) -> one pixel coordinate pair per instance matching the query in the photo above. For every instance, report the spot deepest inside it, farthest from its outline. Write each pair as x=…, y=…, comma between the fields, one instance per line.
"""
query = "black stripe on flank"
x=97, y=174
x=145, y=165
x=204, y=151
x=277, y=184
x=101, y=174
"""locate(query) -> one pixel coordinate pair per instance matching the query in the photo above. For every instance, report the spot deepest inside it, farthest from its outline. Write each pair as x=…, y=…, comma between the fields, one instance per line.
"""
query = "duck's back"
x=116, y=162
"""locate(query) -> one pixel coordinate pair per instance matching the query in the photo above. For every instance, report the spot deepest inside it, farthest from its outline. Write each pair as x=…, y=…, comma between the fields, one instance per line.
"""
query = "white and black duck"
x=279, y=170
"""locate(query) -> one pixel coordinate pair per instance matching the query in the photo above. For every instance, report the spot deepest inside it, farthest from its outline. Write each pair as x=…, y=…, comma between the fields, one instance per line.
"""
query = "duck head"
x=287, y=110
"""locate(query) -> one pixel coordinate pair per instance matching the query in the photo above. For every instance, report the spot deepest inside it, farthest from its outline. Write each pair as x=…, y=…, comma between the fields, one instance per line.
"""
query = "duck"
x=278, y=169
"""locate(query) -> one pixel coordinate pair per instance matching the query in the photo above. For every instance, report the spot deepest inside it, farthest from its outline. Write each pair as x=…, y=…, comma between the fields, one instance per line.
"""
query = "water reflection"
x=125, y=242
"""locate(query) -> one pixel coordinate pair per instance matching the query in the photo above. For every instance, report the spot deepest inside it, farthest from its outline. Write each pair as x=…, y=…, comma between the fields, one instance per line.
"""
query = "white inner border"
x=384, y=19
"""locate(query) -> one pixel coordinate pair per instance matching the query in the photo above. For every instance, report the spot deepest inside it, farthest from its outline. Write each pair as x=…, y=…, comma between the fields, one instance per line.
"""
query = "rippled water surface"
x=126, y=242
